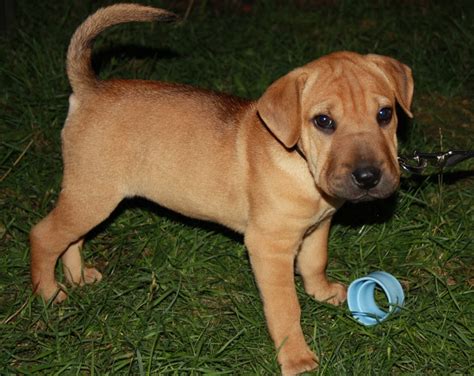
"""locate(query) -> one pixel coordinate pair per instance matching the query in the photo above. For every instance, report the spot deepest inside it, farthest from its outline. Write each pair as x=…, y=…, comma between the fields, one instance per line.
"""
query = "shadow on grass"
x=103, y=56
x=162, y=212
x=366, y=213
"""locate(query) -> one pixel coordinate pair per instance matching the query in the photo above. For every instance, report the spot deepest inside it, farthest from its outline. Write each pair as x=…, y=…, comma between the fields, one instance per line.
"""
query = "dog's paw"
x=55, y=293
x=333, y=293
x=90, y=275
x=60, y=297
x=299, y=363
x=84, y=276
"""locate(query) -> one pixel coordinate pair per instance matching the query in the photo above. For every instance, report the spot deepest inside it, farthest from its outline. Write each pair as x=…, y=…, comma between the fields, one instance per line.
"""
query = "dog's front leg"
x=311, y=264
x=272, y=256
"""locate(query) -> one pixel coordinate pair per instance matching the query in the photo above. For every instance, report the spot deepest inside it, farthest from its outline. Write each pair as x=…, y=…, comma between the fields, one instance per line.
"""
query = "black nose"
x=366, y=177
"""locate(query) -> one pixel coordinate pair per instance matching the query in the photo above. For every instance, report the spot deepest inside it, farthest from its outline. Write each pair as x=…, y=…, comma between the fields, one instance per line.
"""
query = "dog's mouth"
x=367, y=196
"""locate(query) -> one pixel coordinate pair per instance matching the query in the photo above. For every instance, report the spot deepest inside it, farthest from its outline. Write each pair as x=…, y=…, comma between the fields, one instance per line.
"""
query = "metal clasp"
x=419, y=161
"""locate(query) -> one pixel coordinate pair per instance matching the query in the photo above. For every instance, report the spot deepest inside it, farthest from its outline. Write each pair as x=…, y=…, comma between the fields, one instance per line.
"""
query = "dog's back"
x=144, y=157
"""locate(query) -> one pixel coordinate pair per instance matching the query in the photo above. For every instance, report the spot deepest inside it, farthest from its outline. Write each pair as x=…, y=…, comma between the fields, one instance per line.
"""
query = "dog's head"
x=340, y=111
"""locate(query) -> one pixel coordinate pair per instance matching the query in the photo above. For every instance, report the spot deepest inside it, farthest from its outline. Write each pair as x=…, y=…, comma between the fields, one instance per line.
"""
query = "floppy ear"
x=399, y=76
x=280, y=107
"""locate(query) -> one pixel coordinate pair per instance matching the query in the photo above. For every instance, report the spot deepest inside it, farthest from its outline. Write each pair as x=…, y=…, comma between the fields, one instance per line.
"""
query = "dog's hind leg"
x=74, y=270
x=59, y=233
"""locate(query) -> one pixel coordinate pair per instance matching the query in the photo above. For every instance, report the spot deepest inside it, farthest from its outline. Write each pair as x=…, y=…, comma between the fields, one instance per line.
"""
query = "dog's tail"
x=79, y=68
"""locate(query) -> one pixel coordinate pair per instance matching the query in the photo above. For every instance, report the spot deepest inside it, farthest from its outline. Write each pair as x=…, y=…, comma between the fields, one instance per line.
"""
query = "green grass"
x=178, y=297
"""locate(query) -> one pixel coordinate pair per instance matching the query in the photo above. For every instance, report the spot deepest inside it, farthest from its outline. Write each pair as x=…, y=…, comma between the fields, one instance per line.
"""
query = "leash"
x=419, y=161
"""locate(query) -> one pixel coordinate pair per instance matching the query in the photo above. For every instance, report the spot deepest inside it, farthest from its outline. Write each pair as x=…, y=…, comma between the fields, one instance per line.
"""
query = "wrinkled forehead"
x=342, y=84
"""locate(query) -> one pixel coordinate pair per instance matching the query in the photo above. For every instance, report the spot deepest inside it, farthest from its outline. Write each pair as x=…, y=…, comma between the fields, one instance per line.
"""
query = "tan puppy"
x=275, y=169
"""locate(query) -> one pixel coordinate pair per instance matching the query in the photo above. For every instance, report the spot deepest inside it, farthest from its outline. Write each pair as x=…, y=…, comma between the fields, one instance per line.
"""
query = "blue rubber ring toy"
x=361, y=298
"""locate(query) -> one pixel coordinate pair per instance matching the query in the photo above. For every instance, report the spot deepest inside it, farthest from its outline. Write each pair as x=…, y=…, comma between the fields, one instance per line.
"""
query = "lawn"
x=178, y=296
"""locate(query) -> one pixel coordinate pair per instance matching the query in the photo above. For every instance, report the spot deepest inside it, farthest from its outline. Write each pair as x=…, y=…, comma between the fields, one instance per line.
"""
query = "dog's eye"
x=384, y=116
x=324, y=123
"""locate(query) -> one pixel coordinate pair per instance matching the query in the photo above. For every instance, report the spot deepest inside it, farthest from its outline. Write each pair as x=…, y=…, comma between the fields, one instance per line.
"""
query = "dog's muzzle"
x=363, y=183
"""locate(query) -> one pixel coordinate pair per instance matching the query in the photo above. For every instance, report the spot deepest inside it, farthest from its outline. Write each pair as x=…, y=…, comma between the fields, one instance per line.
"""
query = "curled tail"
x=79, y=67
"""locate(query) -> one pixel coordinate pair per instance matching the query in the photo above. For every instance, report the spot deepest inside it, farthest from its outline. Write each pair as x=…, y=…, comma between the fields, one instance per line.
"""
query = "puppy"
x=275, y=169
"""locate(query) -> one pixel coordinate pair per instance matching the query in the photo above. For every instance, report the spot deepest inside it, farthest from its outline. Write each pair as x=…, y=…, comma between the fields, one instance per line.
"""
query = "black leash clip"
x=419, y=161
